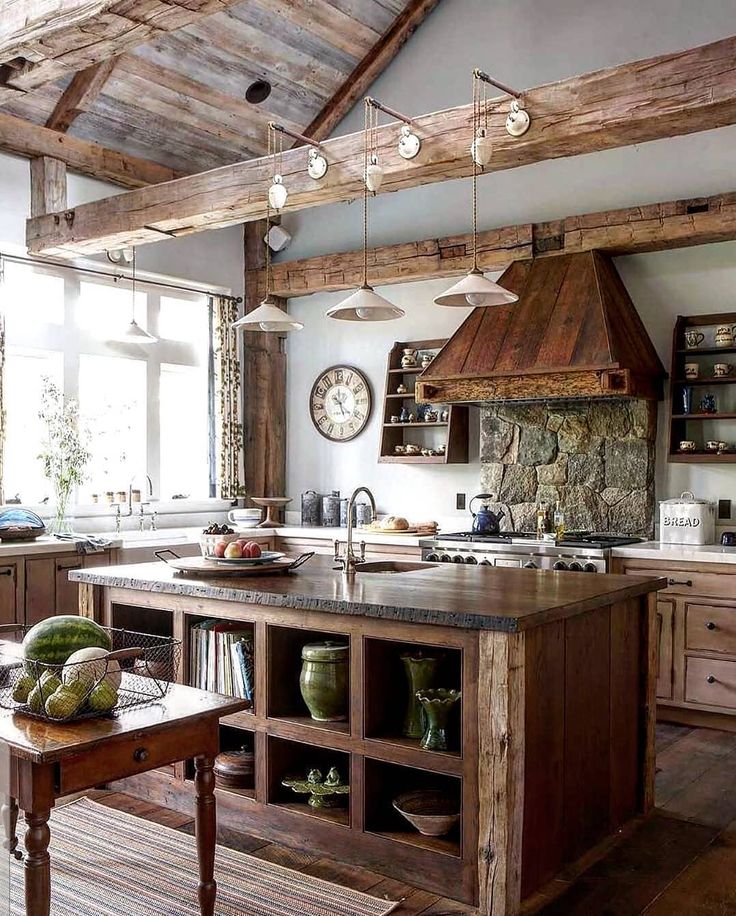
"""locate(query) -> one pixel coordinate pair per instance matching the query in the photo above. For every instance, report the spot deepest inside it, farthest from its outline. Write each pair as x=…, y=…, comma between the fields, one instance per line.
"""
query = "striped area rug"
x=109, y=863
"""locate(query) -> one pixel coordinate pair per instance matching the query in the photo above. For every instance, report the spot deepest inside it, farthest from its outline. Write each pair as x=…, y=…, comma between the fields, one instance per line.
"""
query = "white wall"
x=523, y=43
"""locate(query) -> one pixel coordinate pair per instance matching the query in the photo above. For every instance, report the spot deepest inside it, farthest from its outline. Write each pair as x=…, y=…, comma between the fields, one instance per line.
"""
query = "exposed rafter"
x=370, y=68
x=665, y=96
x=632, y=230
x=26, y=139
x=80, y=95
x=42, y=40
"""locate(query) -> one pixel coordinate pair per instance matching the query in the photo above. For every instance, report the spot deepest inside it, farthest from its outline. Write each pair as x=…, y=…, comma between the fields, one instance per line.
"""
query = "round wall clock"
x=340, y=403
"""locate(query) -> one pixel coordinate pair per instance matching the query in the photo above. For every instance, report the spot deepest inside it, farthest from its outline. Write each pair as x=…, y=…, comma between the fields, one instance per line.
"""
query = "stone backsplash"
x=596, y=457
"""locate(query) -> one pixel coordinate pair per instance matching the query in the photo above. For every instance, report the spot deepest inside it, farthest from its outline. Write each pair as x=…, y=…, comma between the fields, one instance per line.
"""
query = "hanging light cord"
x=274, y=172
x=133, y=284
x=367, y=140
x=476, y=124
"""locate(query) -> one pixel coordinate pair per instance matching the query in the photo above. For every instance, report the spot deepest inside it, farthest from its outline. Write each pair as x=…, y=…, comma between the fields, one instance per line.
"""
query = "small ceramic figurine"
x=427, y=359
x=411, y=418
x=404, y=415
x=445, y=415
x=409, y=359
x=401, y=389
x=708, y=403
x=394, y=418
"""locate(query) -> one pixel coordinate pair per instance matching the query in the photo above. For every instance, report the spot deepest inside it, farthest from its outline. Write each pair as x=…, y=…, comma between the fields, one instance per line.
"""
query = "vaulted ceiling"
x=178, y=98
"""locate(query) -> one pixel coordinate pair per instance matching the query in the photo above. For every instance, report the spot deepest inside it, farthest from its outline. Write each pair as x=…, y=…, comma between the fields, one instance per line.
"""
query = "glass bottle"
x=543, y=523
x=559, y=521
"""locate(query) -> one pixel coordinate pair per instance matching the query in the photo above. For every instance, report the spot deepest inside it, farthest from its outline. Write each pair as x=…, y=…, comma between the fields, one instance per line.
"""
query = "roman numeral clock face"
x=340, y=403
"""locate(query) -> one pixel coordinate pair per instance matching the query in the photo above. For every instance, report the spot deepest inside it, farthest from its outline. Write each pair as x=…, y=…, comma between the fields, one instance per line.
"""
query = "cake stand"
x=271, y=504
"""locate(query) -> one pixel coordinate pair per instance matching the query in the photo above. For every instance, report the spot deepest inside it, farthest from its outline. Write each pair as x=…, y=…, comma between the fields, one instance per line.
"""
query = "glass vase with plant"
x=64, y=450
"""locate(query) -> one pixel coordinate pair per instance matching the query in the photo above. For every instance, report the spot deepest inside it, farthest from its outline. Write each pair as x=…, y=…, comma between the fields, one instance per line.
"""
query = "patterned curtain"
x=2, y=383
x=227, y=390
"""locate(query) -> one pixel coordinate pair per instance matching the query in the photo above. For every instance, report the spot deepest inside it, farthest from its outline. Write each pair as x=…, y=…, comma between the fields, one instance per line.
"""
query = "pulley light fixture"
x=134, y=333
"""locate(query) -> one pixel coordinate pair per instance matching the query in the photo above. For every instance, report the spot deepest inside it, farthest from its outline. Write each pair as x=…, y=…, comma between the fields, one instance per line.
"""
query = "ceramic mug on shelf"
x=691, y=370
x=409, y=359
x=687, y=445
x=693, y=339
x=723, y=447
x=712, y=445
x=721, y=369
x=724, y=336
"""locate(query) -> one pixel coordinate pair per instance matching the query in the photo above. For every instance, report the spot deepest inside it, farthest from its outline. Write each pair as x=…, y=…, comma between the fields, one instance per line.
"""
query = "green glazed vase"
x=437, y=704
x=420, y=673
x=324, y=680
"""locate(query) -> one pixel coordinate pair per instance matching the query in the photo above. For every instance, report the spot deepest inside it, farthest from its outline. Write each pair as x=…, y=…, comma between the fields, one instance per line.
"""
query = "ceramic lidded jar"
x=324, y=680
x=409, y=359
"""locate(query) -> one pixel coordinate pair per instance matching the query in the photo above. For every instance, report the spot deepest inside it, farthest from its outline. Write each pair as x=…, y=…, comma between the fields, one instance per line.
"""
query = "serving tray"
x=203, y=567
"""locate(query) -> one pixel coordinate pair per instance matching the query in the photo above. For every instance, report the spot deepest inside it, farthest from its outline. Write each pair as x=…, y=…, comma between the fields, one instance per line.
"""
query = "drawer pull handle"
x=710, y=625
x=140, y=755
x=710, y=679
x=688, y=582
x=6, y=572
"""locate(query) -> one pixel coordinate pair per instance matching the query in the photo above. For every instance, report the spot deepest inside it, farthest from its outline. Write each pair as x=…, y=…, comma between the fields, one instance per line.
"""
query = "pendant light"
x=268, y=316
x=134, y=333
x=476, y=290
x=365, y=304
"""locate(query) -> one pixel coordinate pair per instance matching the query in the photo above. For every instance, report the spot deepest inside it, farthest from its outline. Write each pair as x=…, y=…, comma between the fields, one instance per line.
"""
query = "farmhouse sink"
x=391, y=566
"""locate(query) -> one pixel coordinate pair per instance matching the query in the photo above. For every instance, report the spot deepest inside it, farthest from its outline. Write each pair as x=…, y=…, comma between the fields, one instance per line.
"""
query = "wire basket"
x=138, y=670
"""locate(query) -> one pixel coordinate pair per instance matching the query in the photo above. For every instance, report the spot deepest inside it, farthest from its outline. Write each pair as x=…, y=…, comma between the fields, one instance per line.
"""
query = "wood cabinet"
x=696, y=614
x=11, y=590
x=295, y=546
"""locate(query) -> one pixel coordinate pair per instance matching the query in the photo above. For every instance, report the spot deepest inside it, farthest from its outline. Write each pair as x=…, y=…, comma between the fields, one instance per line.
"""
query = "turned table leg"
x=10, y=826
x=38, y=864
x=206, y=831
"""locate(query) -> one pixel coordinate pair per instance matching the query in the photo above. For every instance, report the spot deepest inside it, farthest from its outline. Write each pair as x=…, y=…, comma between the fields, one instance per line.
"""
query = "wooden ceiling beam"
x=632, y=230
x=660, y=97
x=80, y=95
x=43, y=40
x=26, y=139
x=370, y=68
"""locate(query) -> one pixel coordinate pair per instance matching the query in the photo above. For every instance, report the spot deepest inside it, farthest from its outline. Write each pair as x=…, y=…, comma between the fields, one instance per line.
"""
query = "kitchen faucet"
x=348, y=562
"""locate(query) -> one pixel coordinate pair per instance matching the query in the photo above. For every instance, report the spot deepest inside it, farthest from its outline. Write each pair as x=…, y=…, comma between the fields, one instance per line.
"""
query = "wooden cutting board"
x=200, y=566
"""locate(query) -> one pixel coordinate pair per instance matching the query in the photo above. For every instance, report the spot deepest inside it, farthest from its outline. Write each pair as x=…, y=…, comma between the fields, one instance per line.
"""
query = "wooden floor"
x=681, y=862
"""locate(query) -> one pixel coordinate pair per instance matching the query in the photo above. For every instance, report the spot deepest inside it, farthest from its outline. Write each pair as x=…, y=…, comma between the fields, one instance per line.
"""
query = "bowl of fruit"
x=244, y=553
x=213, y=535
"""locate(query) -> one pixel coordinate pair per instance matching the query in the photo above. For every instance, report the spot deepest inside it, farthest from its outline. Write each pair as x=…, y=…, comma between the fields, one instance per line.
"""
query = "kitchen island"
x=551, y=752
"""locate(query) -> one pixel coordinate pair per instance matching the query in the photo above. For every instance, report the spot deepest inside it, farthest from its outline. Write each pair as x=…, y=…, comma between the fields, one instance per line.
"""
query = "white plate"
x=268, y=556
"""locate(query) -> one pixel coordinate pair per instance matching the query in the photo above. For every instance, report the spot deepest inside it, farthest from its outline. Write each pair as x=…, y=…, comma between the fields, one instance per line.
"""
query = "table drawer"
x=111, y=760
x=714, y=585
x=710, y=682
x=710, y=628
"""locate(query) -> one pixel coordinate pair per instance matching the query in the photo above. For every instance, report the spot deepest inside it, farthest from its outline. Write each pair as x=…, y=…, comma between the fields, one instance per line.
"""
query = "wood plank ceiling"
x=179, y=99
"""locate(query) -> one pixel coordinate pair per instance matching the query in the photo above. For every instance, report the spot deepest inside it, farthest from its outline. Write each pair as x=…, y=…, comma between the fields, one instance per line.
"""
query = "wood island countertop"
x=469, y=597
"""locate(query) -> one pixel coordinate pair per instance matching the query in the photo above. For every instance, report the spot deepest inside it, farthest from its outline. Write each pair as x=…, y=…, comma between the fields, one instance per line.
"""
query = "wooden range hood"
x=574, y=333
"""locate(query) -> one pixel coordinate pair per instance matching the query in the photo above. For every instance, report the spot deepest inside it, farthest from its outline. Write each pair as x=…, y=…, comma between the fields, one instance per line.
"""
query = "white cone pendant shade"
x=134, y=333
x=365, y=305
x=267, y=317
x=475, y=290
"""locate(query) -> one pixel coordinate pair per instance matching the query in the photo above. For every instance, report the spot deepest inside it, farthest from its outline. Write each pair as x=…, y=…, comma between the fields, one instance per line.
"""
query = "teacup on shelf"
x=712, y=445
x=720, y=370
x=687, y=445
x=691, y=370
x=693, y=339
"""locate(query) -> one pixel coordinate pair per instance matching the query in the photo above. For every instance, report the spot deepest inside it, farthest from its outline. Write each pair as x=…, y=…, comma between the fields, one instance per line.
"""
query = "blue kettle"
x=485, y=520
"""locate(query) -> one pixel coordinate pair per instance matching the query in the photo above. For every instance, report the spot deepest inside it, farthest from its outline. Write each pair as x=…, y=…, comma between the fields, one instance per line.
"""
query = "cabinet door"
x=40, y=589
x=67, y=593
x=9, y=593
x=665, y=660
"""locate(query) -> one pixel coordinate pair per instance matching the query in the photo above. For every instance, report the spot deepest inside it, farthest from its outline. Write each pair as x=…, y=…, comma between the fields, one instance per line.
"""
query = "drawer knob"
x=710, y=679
x=710, y=625
x=140, y=755
x=687, y=582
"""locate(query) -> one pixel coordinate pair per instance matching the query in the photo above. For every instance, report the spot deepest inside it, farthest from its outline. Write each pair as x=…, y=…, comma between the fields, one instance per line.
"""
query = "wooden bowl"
x=431, y=811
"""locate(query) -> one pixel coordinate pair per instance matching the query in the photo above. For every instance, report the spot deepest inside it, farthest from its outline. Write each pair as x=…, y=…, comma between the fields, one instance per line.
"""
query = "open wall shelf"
x=696, y=425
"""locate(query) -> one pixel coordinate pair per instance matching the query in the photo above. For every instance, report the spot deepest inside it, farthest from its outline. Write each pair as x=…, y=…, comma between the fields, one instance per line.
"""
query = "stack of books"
x=221, y=658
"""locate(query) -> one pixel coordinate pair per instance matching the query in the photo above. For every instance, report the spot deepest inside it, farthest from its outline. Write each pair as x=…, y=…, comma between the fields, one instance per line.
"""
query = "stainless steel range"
x=577, y=552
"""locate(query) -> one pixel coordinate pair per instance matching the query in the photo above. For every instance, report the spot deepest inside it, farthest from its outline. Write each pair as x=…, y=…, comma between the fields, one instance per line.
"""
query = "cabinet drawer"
x=711, y=628
x=715, y=585
x=111, y=760
x=711, y=682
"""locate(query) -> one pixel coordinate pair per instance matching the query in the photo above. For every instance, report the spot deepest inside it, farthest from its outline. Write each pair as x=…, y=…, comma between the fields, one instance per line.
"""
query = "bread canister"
x=687, y=520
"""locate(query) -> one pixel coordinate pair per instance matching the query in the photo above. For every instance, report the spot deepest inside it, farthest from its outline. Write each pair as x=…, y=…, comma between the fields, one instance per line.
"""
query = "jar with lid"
x=311, y=509
x=331, y=510
x=324, y=680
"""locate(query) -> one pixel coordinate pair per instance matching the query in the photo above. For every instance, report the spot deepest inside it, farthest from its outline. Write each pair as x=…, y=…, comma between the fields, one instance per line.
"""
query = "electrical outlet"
x=724, y=509
x=460, y=501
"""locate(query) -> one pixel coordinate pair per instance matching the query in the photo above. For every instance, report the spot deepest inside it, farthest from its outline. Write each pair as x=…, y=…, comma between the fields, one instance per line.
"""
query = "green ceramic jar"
x=324, y=680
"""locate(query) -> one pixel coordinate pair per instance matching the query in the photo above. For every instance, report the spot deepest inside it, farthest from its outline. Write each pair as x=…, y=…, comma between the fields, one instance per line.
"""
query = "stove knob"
x=446, y=558
x=432, y=557
x=560, y=565
x=486, y=563
x=590, y=567
x=575, y=566
x=457, y=558
x=471, y=561
x=530, y=564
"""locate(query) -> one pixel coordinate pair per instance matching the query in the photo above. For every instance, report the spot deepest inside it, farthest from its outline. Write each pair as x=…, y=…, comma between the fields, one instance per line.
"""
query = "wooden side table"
x=48, y=761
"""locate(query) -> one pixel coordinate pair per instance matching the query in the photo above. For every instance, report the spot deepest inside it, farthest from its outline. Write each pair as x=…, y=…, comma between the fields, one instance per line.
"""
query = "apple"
x=234, y=551
x=242, y=542
x=219, y=550
x=252, y=550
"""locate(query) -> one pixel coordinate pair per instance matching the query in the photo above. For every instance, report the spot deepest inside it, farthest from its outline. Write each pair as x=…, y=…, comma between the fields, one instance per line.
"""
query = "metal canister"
x=324, y=680
x=311, y=509
x=344, y=513
x=363, y=514
x=331, y=510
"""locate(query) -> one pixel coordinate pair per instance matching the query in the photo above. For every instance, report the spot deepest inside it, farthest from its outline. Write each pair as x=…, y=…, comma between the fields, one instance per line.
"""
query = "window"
x=146, y=407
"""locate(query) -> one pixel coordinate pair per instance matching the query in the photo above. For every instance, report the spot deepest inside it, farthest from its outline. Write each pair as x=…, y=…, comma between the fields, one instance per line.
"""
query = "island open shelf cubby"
x=550, y=749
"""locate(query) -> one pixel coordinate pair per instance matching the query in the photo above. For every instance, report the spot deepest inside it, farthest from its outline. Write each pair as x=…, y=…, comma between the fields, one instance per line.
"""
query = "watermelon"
x=53, y=640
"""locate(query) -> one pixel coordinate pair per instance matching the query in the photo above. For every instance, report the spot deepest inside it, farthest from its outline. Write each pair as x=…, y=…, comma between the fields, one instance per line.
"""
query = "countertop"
x=691, y=553
x=46, y=544
x=460, y=596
